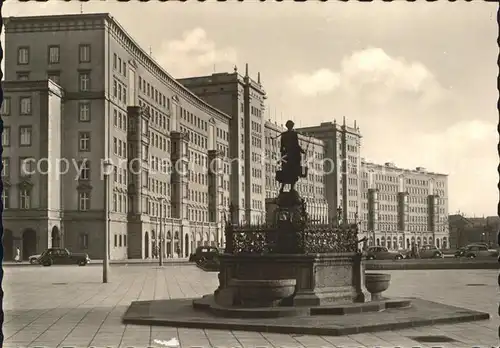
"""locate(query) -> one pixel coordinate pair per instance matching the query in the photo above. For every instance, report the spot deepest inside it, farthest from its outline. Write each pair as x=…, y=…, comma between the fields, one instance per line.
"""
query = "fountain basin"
x=376, y=284
x=262, y=292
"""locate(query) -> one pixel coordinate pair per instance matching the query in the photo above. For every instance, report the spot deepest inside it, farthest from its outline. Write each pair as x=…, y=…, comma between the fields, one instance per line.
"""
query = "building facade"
x=81, y=92
x=402, y=206
x=118, y=104
x=243, y=99
x=466, y=230
x=32, y=195
x=342, y=164
x=311, y=188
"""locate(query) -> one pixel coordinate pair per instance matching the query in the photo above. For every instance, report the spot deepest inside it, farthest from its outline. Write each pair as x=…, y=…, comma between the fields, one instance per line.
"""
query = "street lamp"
x=106, y=166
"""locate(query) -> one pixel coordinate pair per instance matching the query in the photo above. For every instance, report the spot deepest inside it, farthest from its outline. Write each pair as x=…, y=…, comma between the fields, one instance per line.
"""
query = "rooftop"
x=27, y=20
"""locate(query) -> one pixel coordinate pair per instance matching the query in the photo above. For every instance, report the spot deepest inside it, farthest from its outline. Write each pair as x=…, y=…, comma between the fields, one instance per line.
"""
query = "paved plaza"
x=68, y=306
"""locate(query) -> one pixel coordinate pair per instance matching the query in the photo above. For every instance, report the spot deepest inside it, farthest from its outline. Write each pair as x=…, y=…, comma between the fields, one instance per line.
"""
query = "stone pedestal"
x=320, y=278
x=359, y=279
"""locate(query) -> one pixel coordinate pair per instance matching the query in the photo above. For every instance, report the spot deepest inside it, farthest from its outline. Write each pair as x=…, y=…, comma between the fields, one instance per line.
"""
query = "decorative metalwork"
x=291, y=233
x=330, y=238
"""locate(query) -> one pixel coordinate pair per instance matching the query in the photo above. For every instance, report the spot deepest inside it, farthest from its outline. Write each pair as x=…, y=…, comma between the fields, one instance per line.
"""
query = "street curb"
x=114, y=263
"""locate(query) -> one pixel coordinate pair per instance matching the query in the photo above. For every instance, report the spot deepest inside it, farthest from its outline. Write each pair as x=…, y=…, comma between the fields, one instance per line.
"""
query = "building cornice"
x=33, y=86
x=106, y=22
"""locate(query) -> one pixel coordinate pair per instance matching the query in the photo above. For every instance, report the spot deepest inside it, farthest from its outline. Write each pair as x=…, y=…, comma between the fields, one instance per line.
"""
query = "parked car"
x=406, y=253
x=430, y=252
x=59, y=256
x=474, y=251
x=204, y=253
x=382, y=253
x=460, y=252
x=33, y=259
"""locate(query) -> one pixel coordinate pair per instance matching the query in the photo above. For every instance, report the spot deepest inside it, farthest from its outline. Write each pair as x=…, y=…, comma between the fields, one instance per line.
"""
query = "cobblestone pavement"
x=68, y=306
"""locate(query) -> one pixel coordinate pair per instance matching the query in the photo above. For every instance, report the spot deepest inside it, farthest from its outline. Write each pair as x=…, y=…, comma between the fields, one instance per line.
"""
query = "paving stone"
x=85, y=312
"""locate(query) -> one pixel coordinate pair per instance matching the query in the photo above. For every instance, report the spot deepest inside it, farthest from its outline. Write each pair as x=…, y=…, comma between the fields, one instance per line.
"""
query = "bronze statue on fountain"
x=267, y=261
x=291, y=168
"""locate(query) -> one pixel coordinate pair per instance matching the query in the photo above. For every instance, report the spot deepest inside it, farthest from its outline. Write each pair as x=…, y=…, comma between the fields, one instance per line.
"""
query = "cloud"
x=374, y=77
x=319, y=82
x=194, y=54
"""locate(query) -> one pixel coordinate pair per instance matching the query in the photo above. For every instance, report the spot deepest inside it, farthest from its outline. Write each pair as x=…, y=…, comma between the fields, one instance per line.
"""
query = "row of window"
x=24, y=201
x=53, y=54
x=25, y=136
x=158, y=118
x=120, y=91
x=25, y=106
x=195, y=138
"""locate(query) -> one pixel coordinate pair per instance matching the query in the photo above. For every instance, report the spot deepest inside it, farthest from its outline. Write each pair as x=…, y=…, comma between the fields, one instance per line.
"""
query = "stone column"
x=213, y=185
x=178, y=174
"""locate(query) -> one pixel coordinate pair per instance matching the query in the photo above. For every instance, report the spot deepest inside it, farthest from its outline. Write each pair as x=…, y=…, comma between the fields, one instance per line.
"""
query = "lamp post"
x=106, y=165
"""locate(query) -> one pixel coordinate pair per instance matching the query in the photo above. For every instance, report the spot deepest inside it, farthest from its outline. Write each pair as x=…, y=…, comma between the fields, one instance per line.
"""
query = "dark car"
x=382, y=253
x=59, y=256
x=479, y=251
x=203, y=253
x=460, y=252
x=33, y=259
x=430, y=252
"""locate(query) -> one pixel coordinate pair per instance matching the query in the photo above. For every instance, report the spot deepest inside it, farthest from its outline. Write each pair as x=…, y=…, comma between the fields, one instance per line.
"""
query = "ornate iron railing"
x=287, y=238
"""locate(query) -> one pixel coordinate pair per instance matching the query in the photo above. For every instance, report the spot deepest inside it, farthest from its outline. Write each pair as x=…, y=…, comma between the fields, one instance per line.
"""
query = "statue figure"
x=290, y=158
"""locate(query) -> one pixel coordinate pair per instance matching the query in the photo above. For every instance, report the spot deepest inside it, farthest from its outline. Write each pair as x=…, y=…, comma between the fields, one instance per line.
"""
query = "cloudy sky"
x=419, y=78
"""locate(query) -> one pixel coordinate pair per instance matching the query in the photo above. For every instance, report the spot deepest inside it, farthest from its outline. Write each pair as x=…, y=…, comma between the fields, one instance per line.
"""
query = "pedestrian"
x=17, y=258
x=413, y=252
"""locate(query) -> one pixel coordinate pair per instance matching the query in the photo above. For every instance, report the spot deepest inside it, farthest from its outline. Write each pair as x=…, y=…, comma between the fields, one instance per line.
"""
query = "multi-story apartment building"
x=312, y=188
x=81, y=92
x=342, y=163
x=31, y=196
x=402, y=206
x=120, y=105
x=243, y=99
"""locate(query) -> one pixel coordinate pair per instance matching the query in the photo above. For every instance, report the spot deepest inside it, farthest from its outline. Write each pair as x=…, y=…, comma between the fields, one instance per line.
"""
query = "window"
x=6, y=137
x=84, y=141
x=84, y=79
x=6, y=167
x=26, y=166
x=6, y=198
x=84, y=241
x=84, y=170
x=83, y=201
x=54, y=77
x=24, y=198
x=54, y=54
x=25, y=133
x=116, y=240
x=5, y=111
x=124, y=240
x=23, y=76
x=23, y=55
x=25, y=105
x=84, y=112
x=84, y=53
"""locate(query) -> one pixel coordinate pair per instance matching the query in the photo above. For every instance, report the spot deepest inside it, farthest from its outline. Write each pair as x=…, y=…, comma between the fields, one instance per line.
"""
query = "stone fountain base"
x=332, y=320
x=319, y=279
